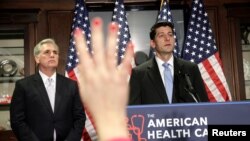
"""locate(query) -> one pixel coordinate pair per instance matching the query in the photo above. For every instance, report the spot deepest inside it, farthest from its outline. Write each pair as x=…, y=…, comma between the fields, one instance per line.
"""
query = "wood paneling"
x=17, y=16
x=213, y=16
x=59, y=23
x=237, y=14
x=7, y=135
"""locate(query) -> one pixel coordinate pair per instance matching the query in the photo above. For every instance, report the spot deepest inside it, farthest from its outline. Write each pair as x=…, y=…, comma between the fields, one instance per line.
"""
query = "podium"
x=184, y=122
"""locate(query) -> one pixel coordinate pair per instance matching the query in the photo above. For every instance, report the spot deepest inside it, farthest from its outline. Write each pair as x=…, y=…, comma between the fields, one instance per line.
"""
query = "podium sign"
x=185, y=122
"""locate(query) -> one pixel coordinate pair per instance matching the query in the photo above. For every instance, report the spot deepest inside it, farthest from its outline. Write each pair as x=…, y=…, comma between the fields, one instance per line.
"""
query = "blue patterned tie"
x=168, y=81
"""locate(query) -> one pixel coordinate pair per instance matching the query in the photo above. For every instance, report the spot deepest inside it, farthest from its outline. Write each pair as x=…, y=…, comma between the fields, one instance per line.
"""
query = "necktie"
x=168, y=81
x=51, y=92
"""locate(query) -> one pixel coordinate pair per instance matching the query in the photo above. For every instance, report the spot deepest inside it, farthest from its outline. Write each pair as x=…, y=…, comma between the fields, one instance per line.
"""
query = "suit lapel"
x=178, y=79
x=42, y=90
x=59, y=92
x=155, y=77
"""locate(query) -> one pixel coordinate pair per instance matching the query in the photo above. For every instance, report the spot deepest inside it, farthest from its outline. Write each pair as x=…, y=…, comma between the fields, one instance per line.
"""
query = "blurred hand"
x=103, y=86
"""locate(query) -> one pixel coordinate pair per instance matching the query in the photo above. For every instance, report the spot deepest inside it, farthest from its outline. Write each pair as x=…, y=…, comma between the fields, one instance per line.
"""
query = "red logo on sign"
x=136, y=127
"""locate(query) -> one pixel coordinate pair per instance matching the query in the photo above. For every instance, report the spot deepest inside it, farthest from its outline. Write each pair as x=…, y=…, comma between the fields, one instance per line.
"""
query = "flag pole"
x=161, y=4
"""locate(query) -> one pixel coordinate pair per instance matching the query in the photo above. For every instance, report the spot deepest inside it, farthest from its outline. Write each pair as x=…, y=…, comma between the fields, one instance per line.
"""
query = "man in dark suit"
x=148, y=82
x=46, y=106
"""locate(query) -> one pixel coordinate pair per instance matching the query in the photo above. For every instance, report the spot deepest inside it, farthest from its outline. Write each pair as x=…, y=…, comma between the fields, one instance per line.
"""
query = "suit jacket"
x=147, y=87
x=31, y=115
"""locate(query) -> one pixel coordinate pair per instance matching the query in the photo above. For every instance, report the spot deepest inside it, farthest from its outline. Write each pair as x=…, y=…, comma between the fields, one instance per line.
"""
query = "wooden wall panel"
x=213, y=16
x=59, y=26
x=29, y=45
x=237, y=14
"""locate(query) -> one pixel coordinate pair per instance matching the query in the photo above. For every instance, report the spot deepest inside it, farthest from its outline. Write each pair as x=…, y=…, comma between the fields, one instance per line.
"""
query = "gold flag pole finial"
x=162, y=3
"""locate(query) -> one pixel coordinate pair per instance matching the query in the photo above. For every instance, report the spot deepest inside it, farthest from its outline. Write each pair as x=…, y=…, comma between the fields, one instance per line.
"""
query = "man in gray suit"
x=148, y=84
x=46, y=106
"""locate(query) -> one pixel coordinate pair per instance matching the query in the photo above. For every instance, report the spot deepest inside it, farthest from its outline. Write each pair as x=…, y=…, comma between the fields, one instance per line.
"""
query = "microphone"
x=190, y=86
x=190, y=89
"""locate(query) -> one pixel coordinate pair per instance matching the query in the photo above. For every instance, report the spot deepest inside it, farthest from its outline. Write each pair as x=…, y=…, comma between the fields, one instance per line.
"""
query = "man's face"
x=164, y=41
x=48, y=57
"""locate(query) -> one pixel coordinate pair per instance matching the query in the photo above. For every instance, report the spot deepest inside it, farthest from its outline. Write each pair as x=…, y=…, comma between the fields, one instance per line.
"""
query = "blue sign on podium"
x=183, y=122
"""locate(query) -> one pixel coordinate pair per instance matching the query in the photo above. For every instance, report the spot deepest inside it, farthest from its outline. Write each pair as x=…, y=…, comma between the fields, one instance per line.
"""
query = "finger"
x=111, y=44
x=126, y=62
x=85, y=60
x=97, y=41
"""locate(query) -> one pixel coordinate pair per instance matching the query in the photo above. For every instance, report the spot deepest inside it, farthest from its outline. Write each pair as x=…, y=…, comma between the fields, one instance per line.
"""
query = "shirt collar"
x=45, y=77
x=160, y=62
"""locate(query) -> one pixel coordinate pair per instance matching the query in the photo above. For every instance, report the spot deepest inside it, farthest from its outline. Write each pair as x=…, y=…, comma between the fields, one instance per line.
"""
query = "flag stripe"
x=221, y=82
x=212, y=71
x=85, y=135
x=208, y=82
x=222, y=76
x=209, y=93
x=214, y=81
x=89, y=125
x=71, y=75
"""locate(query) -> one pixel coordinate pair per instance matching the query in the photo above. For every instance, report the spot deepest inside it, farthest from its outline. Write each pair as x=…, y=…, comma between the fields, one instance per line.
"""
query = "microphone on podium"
x=190, y=90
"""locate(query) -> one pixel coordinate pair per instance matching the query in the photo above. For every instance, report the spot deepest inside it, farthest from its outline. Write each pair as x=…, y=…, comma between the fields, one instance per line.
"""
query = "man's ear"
x=37, y=59
x=152, y=44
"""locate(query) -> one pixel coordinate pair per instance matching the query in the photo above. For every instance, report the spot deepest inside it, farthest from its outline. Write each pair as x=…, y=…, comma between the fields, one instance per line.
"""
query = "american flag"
x=120, y=17
x=80, y=20
x=200, y=48
x=166, y=16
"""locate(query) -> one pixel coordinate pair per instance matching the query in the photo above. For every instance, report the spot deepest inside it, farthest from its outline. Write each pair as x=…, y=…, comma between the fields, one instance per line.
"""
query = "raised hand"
x=104, y=86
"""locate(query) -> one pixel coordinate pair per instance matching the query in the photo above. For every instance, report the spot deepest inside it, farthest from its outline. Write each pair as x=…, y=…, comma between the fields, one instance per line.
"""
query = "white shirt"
x=51, y=97
x=45, y=81
x=161, y=68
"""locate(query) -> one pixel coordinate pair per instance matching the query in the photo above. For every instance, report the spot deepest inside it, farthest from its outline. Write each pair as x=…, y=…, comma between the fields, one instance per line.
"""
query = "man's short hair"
x=38, y=47
x=157, y=25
